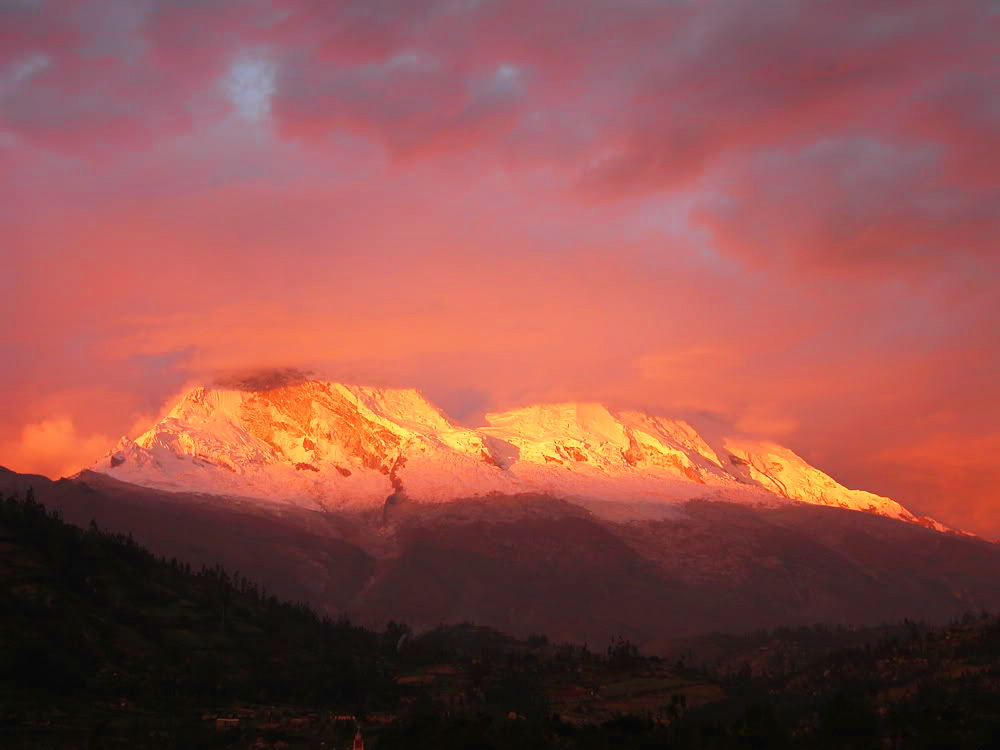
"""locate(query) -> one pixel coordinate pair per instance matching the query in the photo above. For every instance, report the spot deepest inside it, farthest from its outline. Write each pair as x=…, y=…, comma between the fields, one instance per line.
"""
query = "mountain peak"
x=324, y=444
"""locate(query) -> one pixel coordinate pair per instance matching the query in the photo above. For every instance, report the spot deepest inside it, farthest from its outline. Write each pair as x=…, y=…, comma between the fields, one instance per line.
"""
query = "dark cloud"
x=263, y=379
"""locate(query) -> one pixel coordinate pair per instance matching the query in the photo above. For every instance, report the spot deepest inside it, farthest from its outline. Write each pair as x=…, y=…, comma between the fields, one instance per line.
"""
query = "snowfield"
x=324, y=445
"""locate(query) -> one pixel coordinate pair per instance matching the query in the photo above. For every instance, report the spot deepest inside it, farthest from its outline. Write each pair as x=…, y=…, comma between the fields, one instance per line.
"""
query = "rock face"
x=323, y=445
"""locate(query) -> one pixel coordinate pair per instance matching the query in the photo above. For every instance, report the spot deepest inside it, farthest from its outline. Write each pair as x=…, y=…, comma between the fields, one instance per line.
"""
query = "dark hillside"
x=104, y=645
x=91, y=616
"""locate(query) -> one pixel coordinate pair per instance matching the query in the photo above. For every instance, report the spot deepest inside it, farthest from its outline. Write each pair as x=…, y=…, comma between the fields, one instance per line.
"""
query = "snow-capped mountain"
x=325, y=445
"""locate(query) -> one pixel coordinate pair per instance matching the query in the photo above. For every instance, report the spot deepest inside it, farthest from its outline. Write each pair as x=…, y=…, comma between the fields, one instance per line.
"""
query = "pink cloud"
x=850, y=207
x=780, y=214
x=53, y=447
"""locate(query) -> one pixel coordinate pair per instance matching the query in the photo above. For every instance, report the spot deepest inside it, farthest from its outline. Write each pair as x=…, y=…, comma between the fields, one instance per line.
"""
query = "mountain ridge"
x=329, y=445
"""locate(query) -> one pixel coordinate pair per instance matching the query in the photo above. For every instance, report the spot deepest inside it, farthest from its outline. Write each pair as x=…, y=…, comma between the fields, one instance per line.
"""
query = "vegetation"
x=104, y=645
x=92, y=611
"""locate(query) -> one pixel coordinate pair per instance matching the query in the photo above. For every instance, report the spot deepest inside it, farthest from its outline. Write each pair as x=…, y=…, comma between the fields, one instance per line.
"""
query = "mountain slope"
x=324, y=445
x=532, y=563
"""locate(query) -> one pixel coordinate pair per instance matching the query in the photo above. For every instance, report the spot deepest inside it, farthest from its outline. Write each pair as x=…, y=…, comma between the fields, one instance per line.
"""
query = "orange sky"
x=779, y=216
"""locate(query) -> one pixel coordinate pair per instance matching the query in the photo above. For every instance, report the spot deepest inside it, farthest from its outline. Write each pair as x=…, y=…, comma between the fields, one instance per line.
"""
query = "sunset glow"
x=782, y=218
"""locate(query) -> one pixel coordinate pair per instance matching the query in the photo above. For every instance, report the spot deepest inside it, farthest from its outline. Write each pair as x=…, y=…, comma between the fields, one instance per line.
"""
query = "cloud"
x=779, y=214
x=409, y=104
x=745, y=76
x=954, y=473
x=117, y=73
x=250, y=84
x=852, y=206
x=53, y=448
